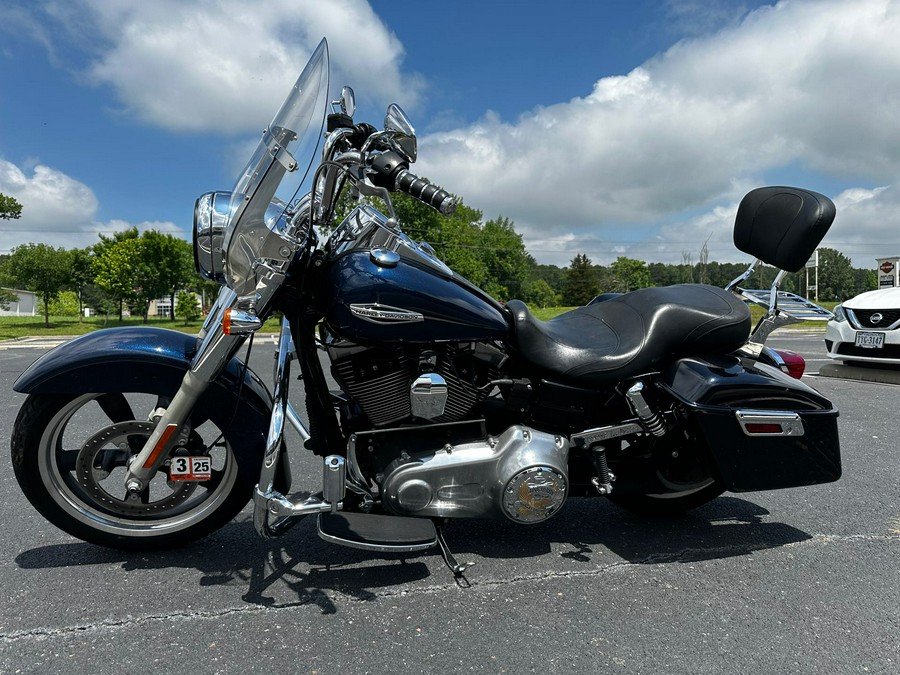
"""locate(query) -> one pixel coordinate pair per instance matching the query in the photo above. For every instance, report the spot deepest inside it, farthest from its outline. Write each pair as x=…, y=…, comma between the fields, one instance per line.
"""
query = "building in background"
x=26, y=305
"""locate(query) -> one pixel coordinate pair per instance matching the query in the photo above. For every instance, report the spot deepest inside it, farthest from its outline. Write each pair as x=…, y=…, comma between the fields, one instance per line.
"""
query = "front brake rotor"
x=92, y=468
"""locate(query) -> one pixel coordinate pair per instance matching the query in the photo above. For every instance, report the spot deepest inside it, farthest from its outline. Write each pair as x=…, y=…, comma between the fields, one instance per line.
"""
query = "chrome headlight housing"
x=839, y=313
x=211, y=216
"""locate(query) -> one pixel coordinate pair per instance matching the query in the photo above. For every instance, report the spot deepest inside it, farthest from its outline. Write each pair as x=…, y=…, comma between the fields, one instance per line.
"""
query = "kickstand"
x=457, y=568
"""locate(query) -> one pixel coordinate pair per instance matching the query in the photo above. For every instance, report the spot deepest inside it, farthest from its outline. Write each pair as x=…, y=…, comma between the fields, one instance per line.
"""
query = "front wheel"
x=70, y=454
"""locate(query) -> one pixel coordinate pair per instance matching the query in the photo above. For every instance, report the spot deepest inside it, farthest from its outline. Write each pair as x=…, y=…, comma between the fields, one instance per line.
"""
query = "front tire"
x=70, y=454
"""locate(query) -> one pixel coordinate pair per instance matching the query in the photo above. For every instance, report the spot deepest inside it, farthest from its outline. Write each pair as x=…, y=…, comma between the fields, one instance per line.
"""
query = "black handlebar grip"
x=425, y=192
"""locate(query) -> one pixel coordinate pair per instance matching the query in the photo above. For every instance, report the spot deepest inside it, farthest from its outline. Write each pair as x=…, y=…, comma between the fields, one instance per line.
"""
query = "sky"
x=617, y=128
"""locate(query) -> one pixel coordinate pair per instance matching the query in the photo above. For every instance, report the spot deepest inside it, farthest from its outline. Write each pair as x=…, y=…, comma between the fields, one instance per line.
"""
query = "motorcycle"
x=450, y=405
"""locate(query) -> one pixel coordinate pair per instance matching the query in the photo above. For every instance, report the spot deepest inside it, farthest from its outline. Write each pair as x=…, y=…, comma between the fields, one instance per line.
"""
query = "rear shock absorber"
x=651, y=420
x=604, y=479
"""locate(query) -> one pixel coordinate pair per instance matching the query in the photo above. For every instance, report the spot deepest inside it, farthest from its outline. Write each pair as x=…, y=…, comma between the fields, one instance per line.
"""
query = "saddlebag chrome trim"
x=789, y=422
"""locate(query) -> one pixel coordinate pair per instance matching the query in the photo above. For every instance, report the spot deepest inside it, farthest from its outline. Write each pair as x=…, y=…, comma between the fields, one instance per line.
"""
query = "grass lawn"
x=12, y=327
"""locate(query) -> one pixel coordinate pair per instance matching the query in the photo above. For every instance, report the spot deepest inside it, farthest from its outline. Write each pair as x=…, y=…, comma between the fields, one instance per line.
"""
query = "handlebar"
x=427, y=193
x=393, y=174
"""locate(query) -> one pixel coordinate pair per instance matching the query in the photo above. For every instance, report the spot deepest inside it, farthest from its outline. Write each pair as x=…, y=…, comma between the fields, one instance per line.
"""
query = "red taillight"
x=794, y=364
x=763, y=428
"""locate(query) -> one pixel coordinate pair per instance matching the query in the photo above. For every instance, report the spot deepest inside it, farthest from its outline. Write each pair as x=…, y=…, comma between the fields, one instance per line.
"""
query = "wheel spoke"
x=213, y=483
x=65, y=460
x=116, y=407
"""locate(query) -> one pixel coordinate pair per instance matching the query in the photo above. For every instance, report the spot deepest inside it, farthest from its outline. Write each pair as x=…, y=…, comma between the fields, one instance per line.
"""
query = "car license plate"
x=190, y=468
x=870, y=340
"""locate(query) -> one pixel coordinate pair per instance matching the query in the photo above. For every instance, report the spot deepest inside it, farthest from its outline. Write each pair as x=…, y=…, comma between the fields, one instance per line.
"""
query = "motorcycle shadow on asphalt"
x=301, y=569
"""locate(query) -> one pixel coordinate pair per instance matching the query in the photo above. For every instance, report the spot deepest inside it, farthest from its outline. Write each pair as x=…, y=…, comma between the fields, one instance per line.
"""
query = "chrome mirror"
x=401, y=132
x=348, y=101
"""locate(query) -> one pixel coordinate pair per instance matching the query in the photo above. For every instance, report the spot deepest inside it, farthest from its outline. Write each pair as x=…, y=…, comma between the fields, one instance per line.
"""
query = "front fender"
x=141, y=359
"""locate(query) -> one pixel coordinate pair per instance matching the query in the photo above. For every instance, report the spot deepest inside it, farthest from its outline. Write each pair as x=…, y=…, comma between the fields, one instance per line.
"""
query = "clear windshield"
x=276, y=172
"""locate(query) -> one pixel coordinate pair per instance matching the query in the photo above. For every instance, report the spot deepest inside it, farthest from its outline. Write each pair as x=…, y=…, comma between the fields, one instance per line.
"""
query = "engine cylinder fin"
x=382, y=398
x=379, y=380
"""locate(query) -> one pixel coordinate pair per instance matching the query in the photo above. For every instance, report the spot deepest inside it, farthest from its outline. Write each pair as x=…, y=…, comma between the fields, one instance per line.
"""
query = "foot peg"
x=373, y=532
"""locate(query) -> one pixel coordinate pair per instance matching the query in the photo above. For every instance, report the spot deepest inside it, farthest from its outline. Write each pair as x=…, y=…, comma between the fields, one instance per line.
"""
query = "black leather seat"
x=628, y=335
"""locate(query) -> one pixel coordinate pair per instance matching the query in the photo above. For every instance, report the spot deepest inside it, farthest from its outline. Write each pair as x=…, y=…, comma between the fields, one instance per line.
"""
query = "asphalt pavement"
x=794, y=581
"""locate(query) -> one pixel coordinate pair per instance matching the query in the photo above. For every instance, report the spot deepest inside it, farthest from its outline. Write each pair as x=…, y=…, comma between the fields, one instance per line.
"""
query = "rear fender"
x=712, y=390
x=151, y=360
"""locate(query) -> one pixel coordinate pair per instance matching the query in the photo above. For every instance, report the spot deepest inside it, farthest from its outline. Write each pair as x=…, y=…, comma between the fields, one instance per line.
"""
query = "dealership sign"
x=888, y=271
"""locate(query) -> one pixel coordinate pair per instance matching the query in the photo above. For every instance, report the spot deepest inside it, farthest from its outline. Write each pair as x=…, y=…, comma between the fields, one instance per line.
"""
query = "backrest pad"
x=782, y=226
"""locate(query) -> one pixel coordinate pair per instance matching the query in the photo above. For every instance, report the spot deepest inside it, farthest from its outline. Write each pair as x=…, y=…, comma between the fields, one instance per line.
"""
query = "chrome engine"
x=409, y=384
x=521, y=474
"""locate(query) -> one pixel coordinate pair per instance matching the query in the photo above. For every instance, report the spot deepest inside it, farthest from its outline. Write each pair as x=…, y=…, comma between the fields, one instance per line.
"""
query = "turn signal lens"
x=226, y=322
x=240, y=322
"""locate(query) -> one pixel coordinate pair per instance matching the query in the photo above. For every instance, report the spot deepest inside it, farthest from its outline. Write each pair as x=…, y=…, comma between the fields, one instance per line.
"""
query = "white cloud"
x=225, y=64
x=810, y=84
x=54, y=205
x=58, y=210
x=868, y=224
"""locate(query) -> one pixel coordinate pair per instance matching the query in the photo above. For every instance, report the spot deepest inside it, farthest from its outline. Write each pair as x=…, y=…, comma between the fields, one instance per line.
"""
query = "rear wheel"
x=669, y=503
x=665, y=477
x=70, y=454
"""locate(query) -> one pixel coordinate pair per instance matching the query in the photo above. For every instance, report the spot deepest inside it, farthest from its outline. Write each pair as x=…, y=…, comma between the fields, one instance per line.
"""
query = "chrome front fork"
x=172, y=427
x=274, y=512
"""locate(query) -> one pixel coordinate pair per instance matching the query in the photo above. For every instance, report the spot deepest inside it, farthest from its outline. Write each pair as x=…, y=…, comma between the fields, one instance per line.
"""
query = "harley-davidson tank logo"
x=385, y=314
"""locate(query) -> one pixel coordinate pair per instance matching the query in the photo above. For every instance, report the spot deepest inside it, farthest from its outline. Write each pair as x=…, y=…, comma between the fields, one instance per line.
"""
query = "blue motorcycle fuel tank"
x=380, y=286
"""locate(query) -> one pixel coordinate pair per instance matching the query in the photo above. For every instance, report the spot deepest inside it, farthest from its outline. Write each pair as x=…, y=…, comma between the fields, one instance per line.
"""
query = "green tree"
x=43, y=269
x=188, y=308
x=503, y=253
x=116, y=270
x=207, y=290
x=168, y=266
x=629, y=274
x=581, y=281
x=7, y=297
x=109, y=264
x=65, y=304
x=836, y=278
x=99, y=300
x=538, y=292
x=82, y=275
x=866, y=279
x=662, y=274
x=10, y=209
x=555, y=277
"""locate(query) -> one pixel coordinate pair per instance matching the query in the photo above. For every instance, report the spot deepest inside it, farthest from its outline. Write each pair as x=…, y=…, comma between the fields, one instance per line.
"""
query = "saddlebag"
x=764, y=429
